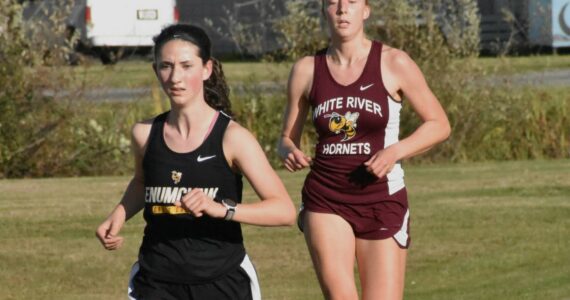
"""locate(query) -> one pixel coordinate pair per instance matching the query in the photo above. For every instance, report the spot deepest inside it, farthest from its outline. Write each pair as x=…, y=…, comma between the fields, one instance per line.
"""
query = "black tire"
x=110, y=56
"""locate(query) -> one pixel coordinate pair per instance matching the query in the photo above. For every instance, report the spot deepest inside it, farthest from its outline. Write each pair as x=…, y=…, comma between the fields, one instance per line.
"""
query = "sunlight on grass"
x=479, y=231
x=139, y=73
x=522, y=64
x=136, y=73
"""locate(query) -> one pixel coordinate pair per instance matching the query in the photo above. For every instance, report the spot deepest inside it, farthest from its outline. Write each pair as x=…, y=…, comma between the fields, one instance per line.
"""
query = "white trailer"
x=109, y=27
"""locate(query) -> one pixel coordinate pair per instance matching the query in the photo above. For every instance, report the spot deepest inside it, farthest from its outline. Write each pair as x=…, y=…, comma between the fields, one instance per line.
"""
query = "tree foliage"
x=45, y=129
x=300, y=31
x=432, y=31
x=26, y=118
x=441, y=29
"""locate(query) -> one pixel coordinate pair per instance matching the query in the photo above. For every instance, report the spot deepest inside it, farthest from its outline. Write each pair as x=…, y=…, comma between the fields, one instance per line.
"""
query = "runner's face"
x=181, y=71
x=346, y=17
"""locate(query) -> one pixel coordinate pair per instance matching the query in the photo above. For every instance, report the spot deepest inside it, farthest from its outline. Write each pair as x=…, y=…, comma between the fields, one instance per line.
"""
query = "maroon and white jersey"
x=353, y=122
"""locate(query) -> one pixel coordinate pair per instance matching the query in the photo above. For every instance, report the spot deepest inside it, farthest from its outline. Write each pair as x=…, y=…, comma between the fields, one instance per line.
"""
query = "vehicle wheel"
x=110, y=56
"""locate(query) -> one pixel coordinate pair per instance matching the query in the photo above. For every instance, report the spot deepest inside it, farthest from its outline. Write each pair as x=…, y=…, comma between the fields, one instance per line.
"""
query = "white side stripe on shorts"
x=134, y=271
x=402, y=235
x=248, y=267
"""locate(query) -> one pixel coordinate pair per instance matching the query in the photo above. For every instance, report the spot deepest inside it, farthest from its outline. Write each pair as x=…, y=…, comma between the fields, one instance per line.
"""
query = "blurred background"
x=490, y=205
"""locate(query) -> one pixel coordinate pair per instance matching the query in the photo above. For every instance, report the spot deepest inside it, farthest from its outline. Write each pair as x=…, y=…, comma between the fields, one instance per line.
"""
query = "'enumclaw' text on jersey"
x=178, y=247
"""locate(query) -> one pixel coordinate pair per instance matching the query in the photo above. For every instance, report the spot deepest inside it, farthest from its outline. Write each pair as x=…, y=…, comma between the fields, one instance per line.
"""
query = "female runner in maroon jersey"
x=354, y=198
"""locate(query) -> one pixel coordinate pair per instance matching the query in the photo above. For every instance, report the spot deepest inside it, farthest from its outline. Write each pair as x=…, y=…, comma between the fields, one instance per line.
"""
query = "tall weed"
x=490, y=120
x=46, y=127
x=496, y=119
x=27, y=118
x=259, y=106
x=300, y=31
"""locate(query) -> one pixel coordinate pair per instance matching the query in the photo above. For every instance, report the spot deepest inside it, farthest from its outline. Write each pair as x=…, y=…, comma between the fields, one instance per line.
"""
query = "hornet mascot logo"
x=345, y=124
x=176, y=176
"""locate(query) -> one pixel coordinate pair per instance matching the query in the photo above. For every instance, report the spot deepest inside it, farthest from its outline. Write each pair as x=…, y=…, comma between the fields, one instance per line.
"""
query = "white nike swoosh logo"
x=363, y=88
x=201, y=159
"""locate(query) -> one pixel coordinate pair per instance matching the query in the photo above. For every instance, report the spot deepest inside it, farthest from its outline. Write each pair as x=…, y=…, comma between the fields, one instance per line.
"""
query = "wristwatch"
x=231, y=206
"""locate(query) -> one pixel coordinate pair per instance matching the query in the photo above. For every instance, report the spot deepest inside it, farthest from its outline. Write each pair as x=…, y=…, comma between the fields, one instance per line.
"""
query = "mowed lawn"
x=497, y=230
x=137, y=72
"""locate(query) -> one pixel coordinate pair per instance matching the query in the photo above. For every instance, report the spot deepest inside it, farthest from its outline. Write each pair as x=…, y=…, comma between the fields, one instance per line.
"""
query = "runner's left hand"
x=382, y=162
x=198, y=204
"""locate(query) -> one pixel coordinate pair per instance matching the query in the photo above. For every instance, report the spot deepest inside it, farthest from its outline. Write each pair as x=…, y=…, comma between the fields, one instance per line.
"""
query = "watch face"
x=229, y=202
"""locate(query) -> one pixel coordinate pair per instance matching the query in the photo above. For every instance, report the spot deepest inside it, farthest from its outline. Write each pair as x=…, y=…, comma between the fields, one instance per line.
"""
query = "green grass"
x=479, y=231
x=125, y=74
x=138, y=72
x=523, y=64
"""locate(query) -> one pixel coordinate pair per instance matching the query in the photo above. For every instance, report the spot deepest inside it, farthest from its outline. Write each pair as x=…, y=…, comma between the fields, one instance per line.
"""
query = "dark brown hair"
x=216, y=90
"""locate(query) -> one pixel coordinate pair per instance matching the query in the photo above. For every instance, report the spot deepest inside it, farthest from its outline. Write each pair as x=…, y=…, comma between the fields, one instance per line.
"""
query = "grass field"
x=521, y=64
x=480, y=231
x=138, y=72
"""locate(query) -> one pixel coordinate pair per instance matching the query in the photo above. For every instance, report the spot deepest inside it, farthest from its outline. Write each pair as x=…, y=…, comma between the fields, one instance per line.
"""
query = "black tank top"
x=176, y=246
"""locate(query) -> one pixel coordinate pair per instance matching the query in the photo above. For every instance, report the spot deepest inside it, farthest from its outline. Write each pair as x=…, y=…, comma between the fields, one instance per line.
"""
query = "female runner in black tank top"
x=188, y=166
x=354, y=197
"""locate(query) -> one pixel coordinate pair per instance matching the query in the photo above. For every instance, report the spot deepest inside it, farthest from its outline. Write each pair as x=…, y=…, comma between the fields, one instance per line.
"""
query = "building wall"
x=196, y=11
x=495, y=29
x=220, y=12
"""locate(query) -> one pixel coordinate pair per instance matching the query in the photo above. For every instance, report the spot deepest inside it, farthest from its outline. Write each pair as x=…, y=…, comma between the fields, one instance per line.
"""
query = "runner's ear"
x=207, y=72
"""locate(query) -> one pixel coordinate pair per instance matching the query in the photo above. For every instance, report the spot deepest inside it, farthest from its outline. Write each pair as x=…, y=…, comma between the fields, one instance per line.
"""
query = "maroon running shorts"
x=371, y=221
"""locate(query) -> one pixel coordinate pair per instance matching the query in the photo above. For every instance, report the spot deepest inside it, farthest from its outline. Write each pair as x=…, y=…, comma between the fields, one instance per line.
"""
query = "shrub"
x=504, y=123
x=46, y=129
x=488, y=121
x=259, y=106
x=27, y=118
x=300, y=30
x=248, y=26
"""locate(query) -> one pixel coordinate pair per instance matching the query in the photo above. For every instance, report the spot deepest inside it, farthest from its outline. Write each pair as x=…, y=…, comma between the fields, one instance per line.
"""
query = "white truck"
x=109, y=27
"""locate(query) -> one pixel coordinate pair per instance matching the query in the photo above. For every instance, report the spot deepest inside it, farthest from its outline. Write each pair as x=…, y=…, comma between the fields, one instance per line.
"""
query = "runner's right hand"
x=107, y=233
